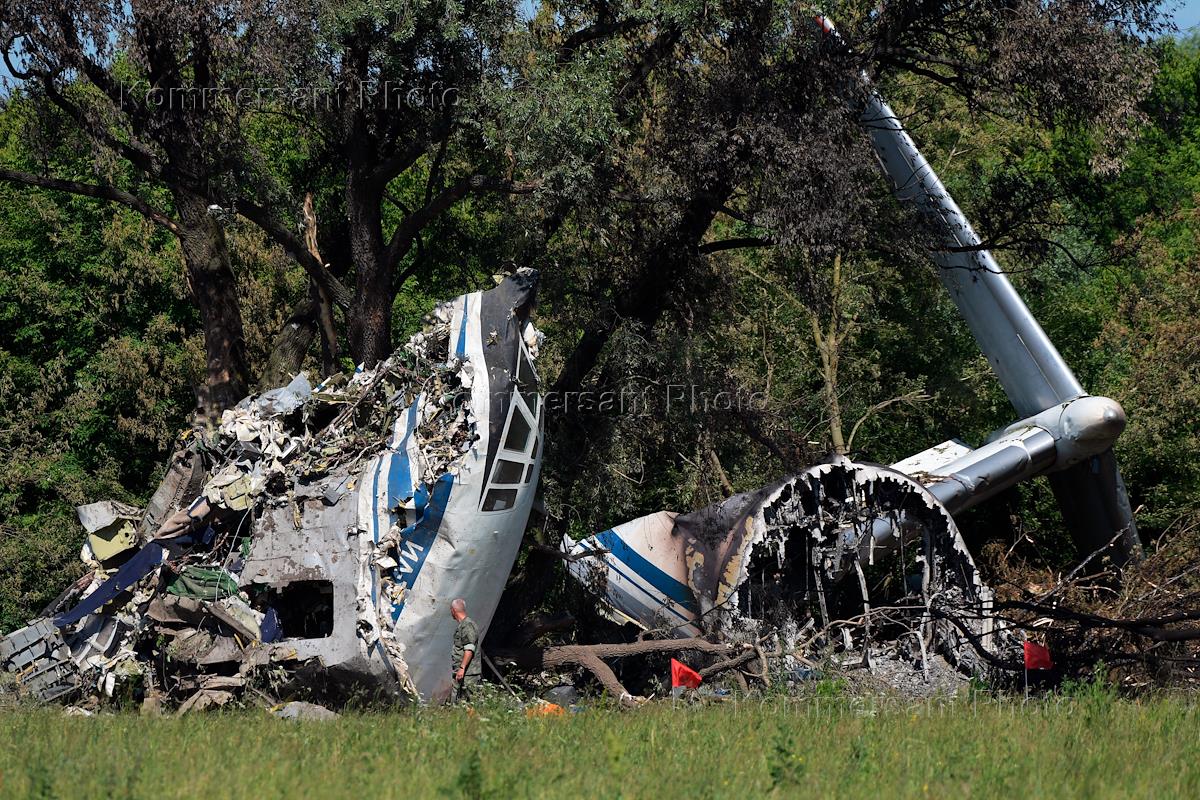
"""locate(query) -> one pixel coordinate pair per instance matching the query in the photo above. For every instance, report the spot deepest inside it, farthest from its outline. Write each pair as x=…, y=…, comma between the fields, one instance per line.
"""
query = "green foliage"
x=99, y=343
x=99, y=353
x=91, y=302
x=1094, y=691
x=830, y=688
x=785, y=763
x=1152, y=340
x=1052, y=748
x=469, y=783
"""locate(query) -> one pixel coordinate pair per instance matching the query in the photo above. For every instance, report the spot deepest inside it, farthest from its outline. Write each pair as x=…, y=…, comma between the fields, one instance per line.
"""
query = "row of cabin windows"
x=519, y=445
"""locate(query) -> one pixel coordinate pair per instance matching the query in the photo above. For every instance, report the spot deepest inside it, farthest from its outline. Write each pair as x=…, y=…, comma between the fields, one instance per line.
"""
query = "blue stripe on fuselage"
x=400, y=485
x=375, y=526
x=652, y=574
x=660, y=601
x=461, y=348
x=399, y=481
x=417, y=539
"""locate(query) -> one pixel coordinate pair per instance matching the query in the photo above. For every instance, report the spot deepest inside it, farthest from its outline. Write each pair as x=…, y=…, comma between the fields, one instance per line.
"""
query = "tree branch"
x=407, y=230
x=915, y=396
x=138, y=156
x=733, y=244
x=338, y=293
x=590, y=657
x=567, y=557
x=391, y=167
x=324, y=307
x=102, y=192
x=1153, y=628
x=592, y=33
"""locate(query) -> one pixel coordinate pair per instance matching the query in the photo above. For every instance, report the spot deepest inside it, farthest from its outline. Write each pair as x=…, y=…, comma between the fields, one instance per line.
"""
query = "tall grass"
x=1088, y=746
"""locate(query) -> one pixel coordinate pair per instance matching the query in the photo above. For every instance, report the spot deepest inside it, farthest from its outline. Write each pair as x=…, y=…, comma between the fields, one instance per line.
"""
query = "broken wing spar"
x=329, y=525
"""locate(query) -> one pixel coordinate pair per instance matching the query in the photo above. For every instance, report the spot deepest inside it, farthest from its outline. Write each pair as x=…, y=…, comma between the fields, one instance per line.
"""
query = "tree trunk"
x=646, y=296
x=210, y=277
x=371, y=311
x=290, y=346
x=828, y=344
x=321, y=301
x=591, y=657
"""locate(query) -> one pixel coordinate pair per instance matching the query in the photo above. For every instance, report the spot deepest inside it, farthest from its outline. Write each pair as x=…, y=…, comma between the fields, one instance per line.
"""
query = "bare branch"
x=591, y=657
x=908, y=398
x=734, y=244
x=320, y=298
x=567, y=557
x=100, y=191
x=297, y=250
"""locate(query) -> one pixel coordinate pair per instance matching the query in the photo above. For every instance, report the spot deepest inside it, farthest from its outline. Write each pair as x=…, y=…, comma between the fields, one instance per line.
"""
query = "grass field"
x=1091, y=746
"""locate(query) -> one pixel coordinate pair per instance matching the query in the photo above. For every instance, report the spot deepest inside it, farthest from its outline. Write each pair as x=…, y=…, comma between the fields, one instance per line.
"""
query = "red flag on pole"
x=683, y=675
x=1037, y=657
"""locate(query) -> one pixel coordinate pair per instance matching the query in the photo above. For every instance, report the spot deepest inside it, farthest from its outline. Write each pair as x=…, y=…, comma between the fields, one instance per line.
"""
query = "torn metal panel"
x=184, y=479
x=929, y=462
x=336, y=523
x=96, y=517
x=315, y=547
x=99, y=640
x=38, y=655
x=640, y=568
x=111, y=529
x=775, y=557
x=172, y=610
x=129, y=575
x=285, y=399
x=204, y=700
x=458, y=535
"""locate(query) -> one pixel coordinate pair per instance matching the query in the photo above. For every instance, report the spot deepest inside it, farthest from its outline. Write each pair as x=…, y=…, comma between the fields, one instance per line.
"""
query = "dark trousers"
x=465, y=688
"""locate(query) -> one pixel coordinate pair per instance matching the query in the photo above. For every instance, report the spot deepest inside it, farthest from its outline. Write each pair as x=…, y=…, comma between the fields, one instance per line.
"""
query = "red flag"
x=683, y=675
x=1037, y=657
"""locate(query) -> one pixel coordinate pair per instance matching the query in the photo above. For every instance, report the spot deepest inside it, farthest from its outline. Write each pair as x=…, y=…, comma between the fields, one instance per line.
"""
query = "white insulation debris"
x=322, y=530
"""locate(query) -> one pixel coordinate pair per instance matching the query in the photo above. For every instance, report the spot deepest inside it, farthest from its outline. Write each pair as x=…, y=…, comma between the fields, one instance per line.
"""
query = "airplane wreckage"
x=321, y=532
x=323, y=527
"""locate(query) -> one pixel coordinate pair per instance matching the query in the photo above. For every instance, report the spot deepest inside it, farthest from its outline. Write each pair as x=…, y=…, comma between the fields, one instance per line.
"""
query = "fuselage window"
x=518, y=430
x=519, y=446
x=507, y=472
x=499, y=499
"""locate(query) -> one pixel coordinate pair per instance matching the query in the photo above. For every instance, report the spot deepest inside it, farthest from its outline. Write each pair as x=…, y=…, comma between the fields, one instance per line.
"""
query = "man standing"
x=465, y=660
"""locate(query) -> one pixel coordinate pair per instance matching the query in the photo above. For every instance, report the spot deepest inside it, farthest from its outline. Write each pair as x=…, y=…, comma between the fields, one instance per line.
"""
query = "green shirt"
x=466, y=637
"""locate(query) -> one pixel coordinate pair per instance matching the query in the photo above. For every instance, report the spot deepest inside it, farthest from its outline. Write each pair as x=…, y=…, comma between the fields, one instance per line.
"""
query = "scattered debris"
x=847, y=560
x=565, y=696
x=318, y=535
x=299, y=710
x=204, y=700
x=591, y=657
x=38, y=654
x=111, y=529
x=543, y=708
